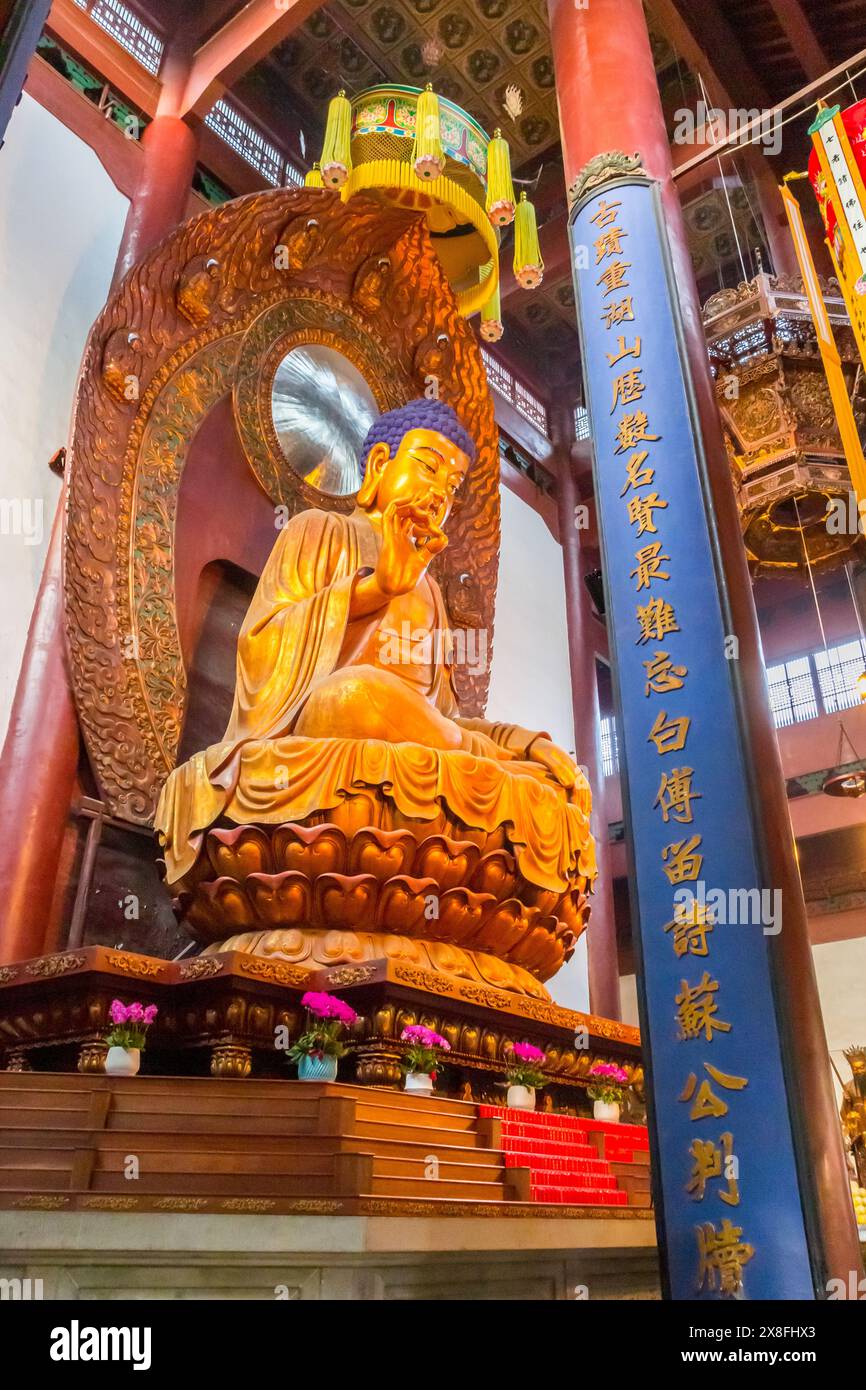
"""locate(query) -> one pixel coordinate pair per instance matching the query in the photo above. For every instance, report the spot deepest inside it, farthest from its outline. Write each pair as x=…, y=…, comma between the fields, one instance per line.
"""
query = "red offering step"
x=580, y=1197
x=564, y=1163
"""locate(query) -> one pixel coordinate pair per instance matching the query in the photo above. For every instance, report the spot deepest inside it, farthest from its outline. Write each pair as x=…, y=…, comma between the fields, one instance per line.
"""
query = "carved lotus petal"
x=405, y=1018
x=537, y=950
x=336, y=946
x=546, y=900
x=280, y=900
x=345, y=900
x=229, y=900
x=450, y=862
x=382, y=853
x=567, y=1062
x=501, y=975
x=495, y=873
x=461, y=913
x=574, y=911
x=310, y=849
x=451, y=1033
x=503, y=927
x=403, y=904
x=239, y=851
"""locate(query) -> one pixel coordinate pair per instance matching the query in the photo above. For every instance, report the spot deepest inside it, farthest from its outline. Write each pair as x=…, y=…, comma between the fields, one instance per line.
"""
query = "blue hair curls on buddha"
x=421, y=414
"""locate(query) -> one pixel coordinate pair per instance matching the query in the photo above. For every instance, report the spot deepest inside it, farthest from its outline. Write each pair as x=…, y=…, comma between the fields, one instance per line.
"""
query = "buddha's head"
x=419, y=453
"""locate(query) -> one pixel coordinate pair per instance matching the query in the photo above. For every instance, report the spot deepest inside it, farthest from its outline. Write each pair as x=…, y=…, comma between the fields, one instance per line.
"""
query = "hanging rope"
x=854, y=602
x=724, y=185
x=812, y=581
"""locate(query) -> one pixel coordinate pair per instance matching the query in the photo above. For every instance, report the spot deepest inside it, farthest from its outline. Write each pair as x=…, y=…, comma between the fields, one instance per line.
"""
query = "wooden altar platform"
x=277, y=1189
x=179, y=1144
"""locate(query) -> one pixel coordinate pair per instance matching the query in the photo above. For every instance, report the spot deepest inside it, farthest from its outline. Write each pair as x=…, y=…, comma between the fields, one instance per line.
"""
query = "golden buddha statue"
x=349, y=812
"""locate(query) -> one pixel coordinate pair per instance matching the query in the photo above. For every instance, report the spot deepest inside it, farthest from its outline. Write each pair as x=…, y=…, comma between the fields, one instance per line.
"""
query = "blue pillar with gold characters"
x=731, y=1218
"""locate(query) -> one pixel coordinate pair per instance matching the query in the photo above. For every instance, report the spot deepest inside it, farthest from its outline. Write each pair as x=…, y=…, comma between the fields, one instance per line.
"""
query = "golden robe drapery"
x=292, y=638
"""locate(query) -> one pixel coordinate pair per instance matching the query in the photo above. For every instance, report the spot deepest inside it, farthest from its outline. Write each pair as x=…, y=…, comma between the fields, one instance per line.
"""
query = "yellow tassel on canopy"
x=528, y=265
x=491, y=319
x=314, y=178
x=428, y=157
x=336, y=159
x=500, y=189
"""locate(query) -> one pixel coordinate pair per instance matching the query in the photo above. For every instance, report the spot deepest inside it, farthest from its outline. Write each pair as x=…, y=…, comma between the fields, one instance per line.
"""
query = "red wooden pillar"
x=169, y=150
x=37, y=770
x=609, y=100
x=601, y=933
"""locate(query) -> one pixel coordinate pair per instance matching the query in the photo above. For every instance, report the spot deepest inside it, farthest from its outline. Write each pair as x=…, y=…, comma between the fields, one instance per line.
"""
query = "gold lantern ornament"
x=413, y=148
x=492, y=327
x=336, y=161
x=528, y=265
x=428, y=159
x=500, y=189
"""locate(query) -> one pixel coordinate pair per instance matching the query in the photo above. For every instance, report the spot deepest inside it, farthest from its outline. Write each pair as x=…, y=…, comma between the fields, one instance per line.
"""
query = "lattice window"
x=581, y=422
x=530, y=407
x=838, y=669
x=128, y=30
x=498, y=376
x=520, y=396
x=249, y=142
x=792, y=692
x=609, y=746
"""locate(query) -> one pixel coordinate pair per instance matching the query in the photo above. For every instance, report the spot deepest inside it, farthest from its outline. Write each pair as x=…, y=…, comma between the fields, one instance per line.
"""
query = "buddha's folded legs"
x=369, y=703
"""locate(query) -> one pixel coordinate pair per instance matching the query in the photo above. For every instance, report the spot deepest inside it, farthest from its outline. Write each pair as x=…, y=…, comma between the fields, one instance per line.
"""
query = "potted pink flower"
x=419, y=1061
x=126, y=1039
x=610, y=1084
x=319, y=1049
x=523, y=1075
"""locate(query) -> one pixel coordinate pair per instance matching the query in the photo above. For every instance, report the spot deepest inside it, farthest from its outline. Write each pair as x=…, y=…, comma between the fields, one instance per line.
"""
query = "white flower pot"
x=420, y=1082
x=521, y=1097
x=606, y=1110
x=123, y=1061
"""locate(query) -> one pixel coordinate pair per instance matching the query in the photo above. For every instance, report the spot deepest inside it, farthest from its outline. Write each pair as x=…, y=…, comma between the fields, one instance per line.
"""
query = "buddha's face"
x=426, y=470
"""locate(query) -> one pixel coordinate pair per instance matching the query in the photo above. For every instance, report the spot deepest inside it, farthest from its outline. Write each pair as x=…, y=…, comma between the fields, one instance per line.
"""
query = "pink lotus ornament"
x=529, y=277
x=501, y=213
x=491, y=330
x=429, y=167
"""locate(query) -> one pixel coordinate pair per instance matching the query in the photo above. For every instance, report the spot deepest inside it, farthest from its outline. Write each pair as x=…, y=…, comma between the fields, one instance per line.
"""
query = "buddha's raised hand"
x=411, y=539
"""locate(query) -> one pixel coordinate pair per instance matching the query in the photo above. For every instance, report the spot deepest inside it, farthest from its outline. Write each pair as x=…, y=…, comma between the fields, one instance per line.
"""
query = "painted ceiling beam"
x=733, y=82
x=801, y=36
x=238, y=45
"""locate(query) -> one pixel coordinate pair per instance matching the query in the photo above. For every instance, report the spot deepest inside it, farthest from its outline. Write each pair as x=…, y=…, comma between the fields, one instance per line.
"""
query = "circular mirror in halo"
x=322, y=409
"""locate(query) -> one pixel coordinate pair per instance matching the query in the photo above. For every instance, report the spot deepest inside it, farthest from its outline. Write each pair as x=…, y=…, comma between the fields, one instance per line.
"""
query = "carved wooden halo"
x=305, y=318
x=176, y=332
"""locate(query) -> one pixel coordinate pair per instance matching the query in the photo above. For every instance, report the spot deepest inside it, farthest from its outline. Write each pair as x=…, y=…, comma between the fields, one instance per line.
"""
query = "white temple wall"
x=530, y=680
x=840, y=967
x=61, y=220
